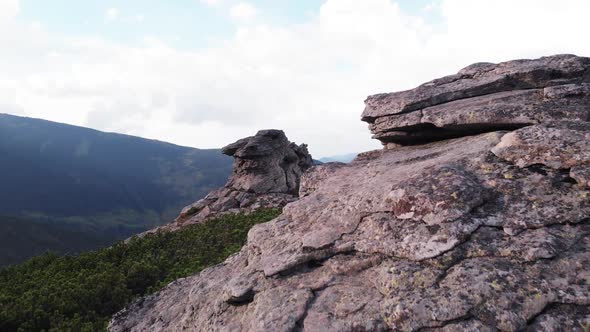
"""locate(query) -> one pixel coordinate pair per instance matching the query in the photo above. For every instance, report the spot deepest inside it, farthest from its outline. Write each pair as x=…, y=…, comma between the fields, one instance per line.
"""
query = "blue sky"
x=186, y=24
x=205, y=73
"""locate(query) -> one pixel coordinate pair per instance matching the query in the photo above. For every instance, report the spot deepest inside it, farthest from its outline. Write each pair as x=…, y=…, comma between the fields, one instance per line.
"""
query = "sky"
x=204, y=73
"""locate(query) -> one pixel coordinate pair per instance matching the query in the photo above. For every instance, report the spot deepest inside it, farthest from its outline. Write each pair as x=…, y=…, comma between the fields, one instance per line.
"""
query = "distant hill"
x=345, y=158
x=103, y=185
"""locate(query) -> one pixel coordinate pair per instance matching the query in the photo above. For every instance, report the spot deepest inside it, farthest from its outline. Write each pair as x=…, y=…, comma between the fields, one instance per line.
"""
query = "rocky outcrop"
x=484, y=232
x=483, y=97
x=266, y=174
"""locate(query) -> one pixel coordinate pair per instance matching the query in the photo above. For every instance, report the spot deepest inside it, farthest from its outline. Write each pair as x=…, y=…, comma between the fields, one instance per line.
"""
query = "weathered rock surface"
x=483, y=98
x=266, y=174
x=480, y=233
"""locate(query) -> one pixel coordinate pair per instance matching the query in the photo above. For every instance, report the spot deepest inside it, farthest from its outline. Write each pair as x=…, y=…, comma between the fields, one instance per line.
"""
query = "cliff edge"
x=475, y=218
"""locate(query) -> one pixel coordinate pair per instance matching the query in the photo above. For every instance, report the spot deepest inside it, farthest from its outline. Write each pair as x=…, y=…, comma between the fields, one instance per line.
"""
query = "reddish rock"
x=483, y=98
x=485, y=232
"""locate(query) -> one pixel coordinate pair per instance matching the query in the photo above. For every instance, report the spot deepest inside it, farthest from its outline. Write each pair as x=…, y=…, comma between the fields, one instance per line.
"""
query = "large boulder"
x=267, y=163
x=484, y=232
x=481, y=98
x=266, y=174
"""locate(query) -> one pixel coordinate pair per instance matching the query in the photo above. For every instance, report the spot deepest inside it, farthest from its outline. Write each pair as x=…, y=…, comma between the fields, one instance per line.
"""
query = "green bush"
x=82, y=292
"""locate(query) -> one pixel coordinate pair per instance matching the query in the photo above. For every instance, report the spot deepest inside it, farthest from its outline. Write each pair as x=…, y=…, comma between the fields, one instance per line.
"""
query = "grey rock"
x=420, y=198
x=345, y=258
x=279, y=309
x=482, y=79
x=581, y=174
x=266, y=174
x=483, y=98
x=267, y=163
x=312, y=178
x=503, y=109
x=344, y=307
x=562, y=317
x=487, y=232
x=559, y=145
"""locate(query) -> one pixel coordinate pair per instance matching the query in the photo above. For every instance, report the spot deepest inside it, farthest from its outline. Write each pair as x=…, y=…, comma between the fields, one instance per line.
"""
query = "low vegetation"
x=82, y=292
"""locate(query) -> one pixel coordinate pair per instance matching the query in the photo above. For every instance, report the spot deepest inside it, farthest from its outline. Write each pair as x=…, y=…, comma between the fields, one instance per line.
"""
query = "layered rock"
x=266, y=174
x=483, y=97
x=485, y=232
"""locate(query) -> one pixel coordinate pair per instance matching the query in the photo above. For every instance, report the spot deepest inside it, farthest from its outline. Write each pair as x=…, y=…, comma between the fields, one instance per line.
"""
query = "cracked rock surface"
x=489, y=232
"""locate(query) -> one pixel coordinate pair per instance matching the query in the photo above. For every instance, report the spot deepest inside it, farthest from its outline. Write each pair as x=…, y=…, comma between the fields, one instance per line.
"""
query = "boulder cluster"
x=487, y=231
x=266, y=174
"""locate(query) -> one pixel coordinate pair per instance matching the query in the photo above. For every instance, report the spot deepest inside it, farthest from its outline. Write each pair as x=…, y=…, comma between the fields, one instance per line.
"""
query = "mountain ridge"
x=113, y=184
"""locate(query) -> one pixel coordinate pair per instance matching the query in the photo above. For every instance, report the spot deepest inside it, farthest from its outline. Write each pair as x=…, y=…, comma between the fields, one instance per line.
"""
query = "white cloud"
x=431, y=6
x=8, y=9
x=112, y=14
x=11, y=109
x=309, y=79
x=211, y=2
x=243, y=12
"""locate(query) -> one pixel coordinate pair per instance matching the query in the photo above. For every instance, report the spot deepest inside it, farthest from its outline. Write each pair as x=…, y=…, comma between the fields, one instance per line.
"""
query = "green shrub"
x=82, y=292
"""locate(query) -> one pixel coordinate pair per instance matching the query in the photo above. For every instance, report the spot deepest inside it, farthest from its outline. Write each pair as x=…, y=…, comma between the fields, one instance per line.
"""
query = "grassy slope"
x=81, y=293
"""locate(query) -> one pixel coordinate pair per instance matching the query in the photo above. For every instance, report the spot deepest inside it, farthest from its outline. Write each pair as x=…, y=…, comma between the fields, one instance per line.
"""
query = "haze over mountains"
x=343, y=158
x=68, y=188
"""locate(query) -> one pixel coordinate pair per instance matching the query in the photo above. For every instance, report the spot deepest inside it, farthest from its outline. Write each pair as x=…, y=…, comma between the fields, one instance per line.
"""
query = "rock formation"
x=484, y=232
x=483, y=97
x=266, y=174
